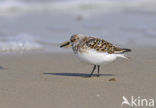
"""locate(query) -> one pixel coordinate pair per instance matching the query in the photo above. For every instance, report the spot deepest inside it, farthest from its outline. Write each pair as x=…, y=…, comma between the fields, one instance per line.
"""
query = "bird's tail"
x=122, y=56
x=126, y=50
x=121, y=50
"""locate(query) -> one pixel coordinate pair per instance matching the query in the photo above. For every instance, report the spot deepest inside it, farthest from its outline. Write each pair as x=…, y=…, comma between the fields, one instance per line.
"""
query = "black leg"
x=92, y=71
x=98, y=70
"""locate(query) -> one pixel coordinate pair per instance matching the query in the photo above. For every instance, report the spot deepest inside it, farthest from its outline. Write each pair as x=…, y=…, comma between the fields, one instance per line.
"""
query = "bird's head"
x=74, y=39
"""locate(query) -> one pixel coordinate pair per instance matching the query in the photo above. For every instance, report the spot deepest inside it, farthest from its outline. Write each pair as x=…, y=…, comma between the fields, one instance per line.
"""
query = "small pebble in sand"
x=98, y=95
x=112, y=79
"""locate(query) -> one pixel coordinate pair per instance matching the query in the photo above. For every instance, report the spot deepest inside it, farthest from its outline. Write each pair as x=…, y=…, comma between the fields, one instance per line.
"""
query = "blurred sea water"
x=42, y=24
x=64, y=5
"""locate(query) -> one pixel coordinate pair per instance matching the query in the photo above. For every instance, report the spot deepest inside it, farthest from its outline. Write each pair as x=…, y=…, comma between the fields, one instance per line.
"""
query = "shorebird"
x=94, y=50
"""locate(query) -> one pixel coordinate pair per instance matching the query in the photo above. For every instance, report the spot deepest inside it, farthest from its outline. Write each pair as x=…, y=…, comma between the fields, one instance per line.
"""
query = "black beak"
x=64, y=44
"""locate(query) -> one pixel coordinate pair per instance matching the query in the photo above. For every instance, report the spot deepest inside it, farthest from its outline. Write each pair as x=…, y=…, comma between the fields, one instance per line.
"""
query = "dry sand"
x=51, y=80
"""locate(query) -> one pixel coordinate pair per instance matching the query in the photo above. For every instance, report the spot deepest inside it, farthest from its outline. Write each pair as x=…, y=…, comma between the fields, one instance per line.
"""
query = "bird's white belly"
x=95, y=57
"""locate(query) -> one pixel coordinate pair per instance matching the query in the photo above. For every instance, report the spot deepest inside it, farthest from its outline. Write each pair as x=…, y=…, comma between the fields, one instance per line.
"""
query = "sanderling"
x=94, y=51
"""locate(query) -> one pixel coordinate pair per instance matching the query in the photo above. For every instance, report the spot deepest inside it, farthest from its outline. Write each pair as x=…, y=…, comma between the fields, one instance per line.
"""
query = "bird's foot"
x=94, y=75
x=98, y=75
x=90, y=76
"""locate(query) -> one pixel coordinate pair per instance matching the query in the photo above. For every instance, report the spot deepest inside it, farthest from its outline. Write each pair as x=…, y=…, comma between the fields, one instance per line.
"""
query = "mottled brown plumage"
x=99, y=45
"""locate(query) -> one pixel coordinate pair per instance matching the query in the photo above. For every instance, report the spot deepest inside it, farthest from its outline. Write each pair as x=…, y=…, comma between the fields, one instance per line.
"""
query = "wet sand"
x=54, y=80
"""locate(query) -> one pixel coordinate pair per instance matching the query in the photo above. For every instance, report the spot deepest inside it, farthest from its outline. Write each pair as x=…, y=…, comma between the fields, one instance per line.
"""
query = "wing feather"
x=100, y=45
x=104, y=46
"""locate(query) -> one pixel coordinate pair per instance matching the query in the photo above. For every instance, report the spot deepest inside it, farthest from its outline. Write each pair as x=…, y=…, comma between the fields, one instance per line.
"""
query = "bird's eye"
x=72, y=40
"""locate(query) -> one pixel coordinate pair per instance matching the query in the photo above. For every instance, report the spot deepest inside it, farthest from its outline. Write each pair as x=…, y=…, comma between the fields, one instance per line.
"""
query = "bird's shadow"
x=2, y=68
x=77, y=74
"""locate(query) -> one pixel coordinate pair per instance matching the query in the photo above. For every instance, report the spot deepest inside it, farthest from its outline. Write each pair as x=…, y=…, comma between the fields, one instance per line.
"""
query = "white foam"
x=21, y=42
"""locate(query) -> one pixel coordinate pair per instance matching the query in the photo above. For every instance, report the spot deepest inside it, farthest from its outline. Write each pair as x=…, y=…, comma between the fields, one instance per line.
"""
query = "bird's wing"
x=103, y=46
x=100, y=45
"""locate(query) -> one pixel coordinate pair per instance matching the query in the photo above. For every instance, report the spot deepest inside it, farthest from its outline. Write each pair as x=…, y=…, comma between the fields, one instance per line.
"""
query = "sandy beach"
x=58, y=80
x=36, y=73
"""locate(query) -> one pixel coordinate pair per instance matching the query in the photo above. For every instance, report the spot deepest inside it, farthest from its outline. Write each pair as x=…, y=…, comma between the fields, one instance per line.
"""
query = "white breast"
x=94, y=57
